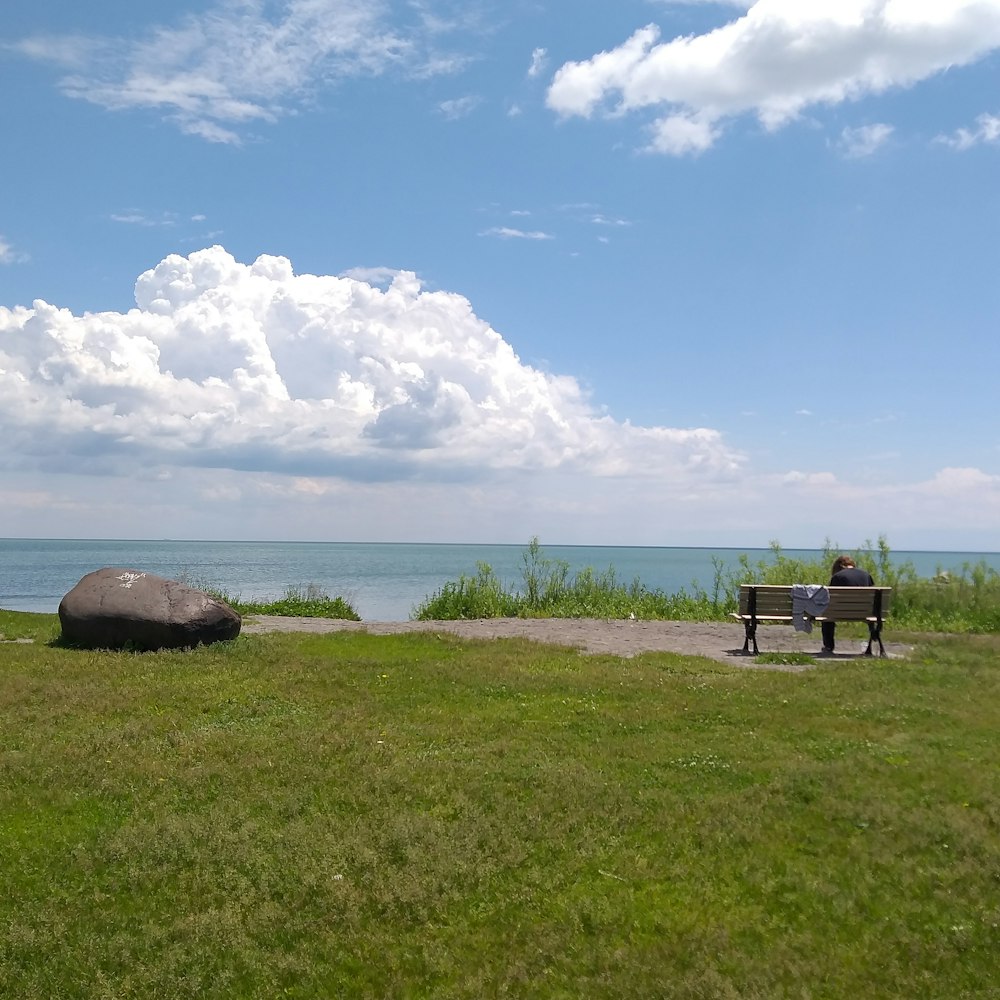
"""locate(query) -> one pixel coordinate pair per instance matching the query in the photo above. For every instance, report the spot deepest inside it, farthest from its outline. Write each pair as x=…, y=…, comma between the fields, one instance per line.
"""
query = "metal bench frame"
x=767, y=602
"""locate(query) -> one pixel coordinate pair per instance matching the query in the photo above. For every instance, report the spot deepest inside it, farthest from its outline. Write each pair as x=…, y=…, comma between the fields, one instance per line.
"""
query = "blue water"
x=383, y=581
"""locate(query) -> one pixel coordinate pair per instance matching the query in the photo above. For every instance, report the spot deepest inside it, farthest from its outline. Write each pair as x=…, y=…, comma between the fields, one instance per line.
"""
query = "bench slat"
x=846, y=603
x=788, y=618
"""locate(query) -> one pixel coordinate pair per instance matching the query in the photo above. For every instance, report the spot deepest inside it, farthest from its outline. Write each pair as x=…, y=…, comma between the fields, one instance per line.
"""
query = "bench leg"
x=875, y=635
x=878, y=636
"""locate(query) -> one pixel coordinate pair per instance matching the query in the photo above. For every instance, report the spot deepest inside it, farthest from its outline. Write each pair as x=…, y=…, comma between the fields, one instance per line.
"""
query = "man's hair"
x=843, y=562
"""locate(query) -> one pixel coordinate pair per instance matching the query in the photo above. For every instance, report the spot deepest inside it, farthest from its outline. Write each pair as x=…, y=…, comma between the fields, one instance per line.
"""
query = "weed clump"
x=547, y=590
x=310, y=601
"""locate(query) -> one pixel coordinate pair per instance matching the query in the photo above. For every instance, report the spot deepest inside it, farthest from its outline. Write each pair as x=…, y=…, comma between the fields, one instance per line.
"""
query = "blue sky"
x=642, y=272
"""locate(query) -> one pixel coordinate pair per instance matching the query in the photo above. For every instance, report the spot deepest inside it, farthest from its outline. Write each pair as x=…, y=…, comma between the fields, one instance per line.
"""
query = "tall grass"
x=311, y=601
x=965, y=599
x=547, y=590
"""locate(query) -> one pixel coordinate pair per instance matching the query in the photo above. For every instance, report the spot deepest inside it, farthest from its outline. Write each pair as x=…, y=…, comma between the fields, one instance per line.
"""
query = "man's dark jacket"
x=852, y=577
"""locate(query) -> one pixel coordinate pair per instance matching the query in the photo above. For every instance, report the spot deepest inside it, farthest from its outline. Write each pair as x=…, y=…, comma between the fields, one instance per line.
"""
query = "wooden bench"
x=765, y=602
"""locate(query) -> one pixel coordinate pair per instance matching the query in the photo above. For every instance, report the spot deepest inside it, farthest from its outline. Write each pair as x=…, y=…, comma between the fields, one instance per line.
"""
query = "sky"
x=623, y=272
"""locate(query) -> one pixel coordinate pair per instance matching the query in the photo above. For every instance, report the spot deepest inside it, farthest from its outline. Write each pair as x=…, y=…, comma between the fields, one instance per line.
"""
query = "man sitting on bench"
x=845, y=574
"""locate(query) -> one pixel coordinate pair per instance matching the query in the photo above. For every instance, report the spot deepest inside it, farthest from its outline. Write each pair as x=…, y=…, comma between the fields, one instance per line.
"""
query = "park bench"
x=769, y=603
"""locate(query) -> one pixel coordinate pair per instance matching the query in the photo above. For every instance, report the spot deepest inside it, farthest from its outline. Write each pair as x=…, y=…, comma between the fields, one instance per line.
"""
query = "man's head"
x=843, y=562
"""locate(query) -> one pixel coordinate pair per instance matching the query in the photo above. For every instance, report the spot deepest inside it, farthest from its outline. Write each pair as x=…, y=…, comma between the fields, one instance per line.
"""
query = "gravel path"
x=721, y=641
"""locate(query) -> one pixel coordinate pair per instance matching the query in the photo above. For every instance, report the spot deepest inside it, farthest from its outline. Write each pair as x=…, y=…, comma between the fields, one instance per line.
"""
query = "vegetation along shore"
x=963, y=599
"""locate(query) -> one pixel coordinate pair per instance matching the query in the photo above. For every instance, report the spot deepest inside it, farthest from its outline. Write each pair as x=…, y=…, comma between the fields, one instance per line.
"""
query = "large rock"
x=112, y=608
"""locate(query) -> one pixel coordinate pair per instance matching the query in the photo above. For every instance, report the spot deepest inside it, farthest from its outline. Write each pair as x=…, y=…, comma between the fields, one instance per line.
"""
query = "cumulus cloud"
x=961, y=482
x=237, y=64
x=252, y=367
x=538, y=60
x=965, y=494
x=678, y=135
x=780, y=58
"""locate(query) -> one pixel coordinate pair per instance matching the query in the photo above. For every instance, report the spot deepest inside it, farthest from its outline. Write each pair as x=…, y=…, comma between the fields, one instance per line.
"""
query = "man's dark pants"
x=828, y=628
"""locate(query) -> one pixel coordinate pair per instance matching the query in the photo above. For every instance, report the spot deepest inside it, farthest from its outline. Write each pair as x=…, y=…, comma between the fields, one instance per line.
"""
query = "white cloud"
x=782, y=57
x=328, y=407
x=987, y=131
x=8, y=255
x=460, y=107
x=507, y=233
x=253, y=368
x=960, y=482
x=810, y=480
x=539, y=57
x=137, y=218
x=857, y=143
x=242, y=63
x=69, y=51
x=677, y=135
x=952, y=493
x=598, y=219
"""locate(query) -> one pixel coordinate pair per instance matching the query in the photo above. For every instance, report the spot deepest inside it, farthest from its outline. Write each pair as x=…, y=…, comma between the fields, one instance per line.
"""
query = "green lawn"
x=421, y=816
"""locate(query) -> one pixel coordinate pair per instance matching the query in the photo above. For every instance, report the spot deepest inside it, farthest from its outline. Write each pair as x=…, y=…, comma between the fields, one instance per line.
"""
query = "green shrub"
x=547, y=590
x=479, y=596
x=308, y=602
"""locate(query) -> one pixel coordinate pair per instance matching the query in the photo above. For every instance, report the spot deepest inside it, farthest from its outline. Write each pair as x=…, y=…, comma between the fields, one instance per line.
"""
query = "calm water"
x=384, y=581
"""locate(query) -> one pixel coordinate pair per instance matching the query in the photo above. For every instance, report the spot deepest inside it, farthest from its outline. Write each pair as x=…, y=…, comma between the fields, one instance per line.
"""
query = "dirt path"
x=721, y=641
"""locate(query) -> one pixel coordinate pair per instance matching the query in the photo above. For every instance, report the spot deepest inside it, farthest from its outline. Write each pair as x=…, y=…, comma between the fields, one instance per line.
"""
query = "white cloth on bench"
x=809, y=600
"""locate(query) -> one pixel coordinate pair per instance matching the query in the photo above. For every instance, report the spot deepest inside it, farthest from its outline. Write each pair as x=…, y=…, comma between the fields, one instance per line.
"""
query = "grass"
x=548, y=591
x=419, y=816
x=964, y=599
x=299, y=602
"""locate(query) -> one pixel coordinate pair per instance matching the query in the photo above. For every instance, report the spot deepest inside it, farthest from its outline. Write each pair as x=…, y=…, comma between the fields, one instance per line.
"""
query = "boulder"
x=113, y=608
